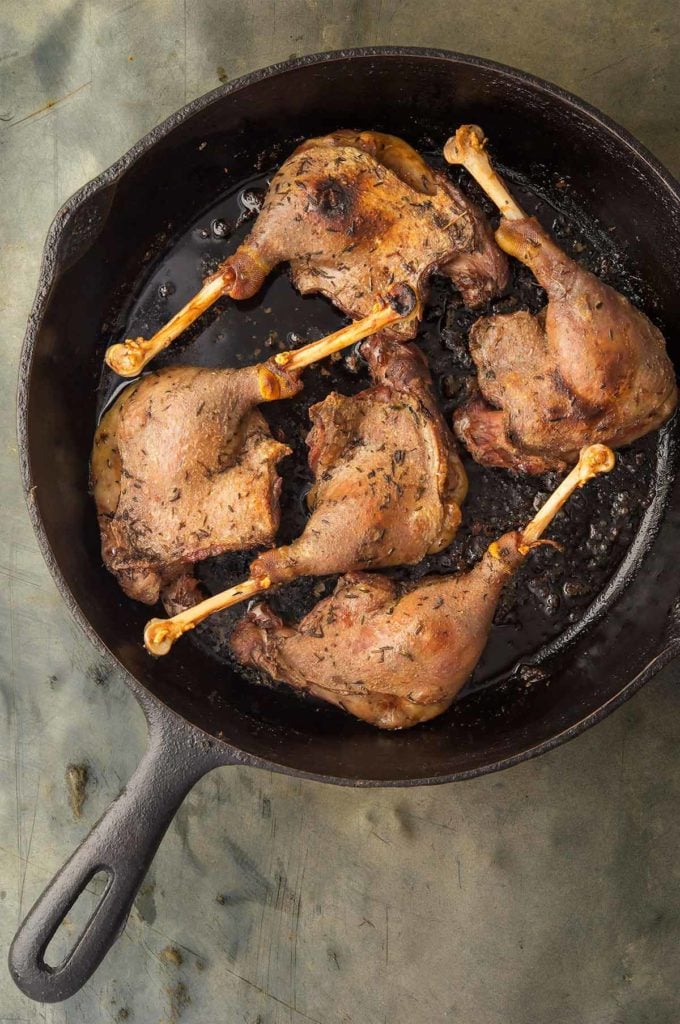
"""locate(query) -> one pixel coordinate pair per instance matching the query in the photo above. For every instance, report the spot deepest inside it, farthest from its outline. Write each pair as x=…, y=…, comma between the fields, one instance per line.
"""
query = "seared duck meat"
x=388, y=485
x=388, y=482
x=184, y=467
x=590, y=367
x=352, y=213
x=355, y=211
x=397, y=654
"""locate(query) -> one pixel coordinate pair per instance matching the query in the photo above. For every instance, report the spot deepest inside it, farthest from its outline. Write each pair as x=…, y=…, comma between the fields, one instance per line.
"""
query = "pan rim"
x=50, y=271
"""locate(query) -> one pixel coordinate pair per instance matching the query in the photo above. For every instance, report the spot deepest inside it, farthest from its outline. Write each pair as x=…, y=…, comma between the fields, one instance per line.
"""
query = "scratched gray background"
x=548, y=893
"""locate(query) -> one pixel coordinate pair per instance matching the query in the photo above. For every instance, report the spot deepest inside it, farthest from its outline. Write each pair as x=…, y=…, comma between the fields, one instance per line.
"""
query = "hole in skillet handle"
x=121, y=845
x=78, y=917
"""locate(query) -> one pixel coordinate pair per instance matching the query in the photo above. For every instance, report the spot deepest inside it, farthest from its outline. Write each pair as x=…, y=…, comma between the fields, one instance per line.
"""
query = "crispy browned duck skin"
x=388, y=482
x=411, y=239
x=352, y=213
x=391, y=654
x=387, y=491
x=590, y=367
x=184, y=467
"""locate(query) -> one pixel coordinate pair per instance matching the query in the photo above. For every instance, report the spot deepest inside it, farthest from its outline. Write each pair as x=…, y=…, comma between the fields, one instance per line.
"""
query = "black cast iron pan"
x=104, y=247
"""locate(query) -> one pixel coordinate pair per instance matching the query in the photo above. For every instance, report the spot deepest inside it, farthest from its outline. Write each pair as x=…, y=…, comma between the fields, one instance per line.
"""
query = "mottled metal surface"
x=547, y=893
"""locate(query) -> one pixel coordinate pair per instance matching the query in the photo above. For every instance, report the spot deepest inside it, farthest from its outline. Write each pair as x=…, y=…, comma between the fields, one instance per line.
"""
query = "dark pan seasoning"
x=554, y=590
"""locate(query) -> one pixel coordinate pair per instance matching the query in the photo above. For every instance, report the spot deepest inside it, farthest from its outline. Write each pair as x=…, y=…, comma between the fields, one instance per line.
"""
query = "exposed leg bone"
x=594, y=459
x=129, y=357
x=275, y=375
x=160, y=634
x=400, y=304
x=468, y=148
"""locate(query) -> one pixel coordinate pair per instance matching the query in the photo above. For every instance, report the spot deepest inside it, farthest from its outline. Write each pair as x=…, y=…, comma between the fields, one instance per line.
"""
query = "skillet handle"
x=123, y=844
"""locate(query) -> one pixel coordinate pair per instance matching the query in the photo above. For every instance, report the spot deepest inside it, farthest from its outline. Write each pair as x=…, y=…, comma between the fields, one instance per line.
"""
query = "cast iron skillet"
x=97, y=247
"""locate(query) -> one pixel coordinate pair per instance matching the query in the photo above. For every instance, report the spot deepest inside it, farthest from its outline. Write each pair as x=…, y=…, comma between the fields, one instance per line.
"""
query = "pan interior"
x=183, y=206
x=549, y=600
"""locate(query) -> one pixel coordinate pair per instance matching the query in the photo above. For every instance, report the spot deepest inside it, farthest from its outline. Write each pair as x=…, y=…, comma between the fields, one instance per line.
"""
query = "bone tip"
x=468, y=138
x=159, y=636
x=402, y=299
x=268, y=382
x=126, y=359
x=596, y=458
